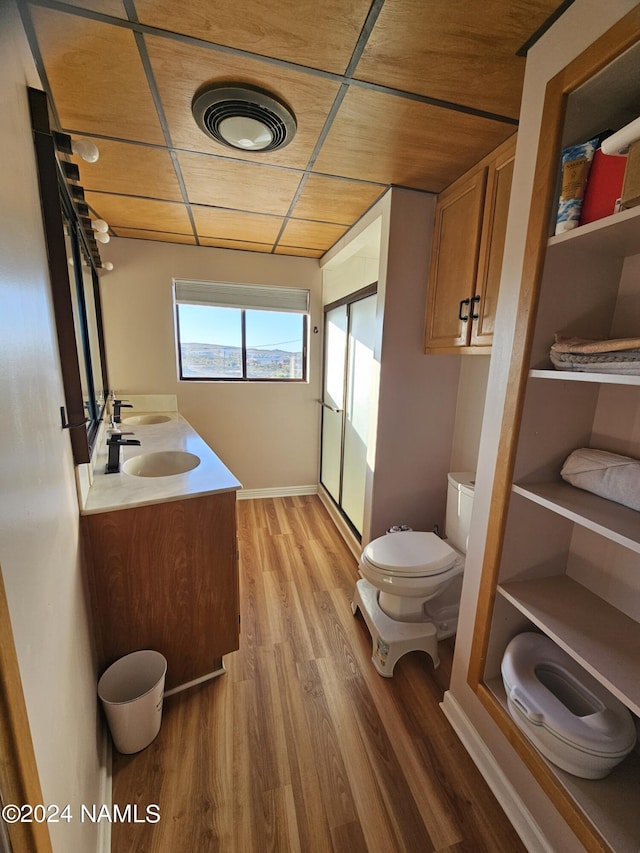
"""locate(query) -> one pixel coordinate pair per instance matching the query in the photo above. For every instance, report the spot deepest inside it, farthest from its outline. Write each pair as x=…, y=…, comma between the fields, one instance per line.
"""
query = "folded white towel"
x=618, y=143
x=608, y=475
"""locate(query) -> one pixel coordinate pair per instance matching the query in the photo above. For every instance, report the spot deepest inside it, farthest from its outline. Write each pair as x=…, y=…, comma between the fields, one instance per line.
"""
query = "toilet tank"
x=460, y=490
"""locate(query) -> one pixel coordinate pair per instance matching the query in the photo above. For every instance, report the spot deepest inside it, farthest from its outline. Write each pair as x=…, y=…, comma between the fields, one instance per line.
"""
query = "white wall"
x=357, y=262
x=266, y=433
x=413, y=397
x=417, y=393
x=39, y=542
x=472, y=390
x=580, y=25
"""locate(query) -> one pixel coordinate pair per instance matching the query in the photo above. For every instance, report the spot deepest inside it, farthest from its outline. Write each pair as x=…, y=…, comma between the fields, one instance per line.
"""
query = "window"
x=241, y=332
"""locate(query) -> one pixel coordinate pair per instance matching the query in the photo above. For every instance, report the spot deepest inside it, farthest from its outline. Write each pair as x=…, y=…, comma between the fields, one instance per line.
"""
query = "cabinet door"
x=494, y=228
x=165, y=577
x=454, y=262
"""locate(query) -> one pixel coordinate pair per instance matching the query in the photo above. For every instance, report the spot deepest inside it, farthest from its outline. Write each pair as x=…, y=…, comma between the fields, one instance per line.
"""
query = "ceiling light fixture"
x=82, y=147
x=243, y=117
x=86, y=149
x=99, y=225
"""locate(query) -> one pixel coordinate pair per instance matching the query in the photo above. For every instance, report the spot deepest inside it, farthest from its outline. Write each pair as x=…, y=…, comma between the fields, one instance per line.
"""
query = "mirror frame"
x=81, y=417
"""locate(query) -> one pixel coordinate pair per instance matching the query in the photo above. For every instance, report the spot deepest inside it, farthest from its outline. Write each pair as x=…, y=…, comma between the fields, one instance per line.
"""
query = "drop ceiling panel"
x=163, y=236
x=311, y=235
x=181, y=69
x=464, y=53
x=334, y=200
x=129, y=212
x=96, y=77
x=131, y=170
x=320, y=35
x=115, y=8
x=394, y=140
x=234, y=225
x=232, y=183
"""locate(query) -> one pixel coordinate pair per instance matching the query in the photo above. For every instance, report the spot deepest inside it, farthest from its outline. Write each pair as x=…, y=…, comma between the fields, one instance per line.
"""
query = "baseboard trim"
x=276, y=492
x=514, y=807
x=106, y=790
x=343, y=528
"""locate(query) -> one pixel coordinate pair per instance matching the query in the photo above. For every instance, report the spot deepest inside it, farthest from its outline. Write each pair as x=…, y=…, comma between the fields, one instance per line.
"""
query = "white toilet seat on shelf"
x=571, y=717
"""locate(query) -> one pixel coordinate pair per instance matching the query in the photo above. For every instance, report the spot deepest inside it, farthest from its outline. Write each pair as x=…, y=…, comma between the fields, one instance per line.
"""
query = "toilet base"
x=392, y=639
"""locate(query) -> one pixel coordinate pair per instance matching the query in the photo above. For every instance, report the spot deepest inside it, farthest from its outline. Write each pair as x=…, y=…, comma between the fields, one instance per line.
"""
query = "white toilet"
x=409, y=593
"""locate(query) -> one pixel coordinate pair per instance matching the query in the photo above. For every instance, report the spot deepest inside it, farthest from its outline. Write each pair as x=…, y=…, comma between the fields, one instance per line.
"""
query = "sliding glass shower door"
x=349, y=337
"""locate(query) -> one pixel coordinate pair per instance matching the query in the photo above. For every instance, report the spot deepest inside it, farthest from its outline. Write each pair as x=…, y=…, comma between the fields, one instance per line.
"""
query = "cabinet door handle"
x=474, y=314
x=466, y=316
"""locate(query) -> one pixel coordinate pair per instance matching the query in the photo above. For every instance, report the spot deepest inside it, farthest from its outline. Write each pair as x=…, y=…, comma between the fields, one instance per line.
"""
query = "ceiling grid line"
x=316, y=150
x=372, y=17
x=148, y=70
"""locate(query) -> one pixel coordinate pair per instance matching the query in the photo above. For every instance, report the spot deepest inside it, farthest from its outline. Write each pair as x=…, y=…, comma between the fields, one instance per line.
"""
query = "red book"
x=604, y=187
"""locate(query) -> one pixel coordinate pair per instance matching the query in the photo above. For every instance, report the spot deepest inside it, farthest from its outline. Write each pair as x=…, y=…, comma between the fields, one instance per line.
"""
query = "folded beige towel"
x=608, y=475
x=585, y=345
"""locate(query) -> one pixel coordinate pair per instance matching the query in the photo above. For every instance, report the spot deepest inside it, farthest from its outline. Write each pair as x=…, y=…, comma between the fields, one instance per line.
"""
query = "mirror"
x=73, y=261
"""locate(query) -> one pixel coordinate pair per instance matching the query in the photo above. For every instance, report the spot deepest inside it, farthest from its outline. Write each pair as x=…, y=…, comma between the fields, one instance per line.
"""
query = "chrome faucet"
x=114, y=443
x=117, y=405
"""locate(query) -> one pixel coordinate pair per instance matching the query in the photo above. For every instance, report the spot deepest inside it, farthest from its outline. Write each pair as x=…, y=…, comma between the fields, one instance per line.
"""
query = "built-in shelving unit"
x=559, y=559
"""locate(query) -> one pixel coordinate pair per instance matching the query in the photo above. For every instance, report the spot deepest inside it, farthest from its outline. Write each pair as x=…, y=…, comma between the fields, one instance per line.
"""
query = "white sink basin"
x=146, y=419
x=164, y=463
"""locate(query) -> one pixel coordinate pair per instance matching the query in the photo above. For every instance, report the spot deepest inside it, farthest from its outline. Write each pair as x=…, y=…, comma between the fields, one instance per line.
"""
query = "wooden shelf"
x=611, y=520
x=579, y=376
x=605, y=641
x=617, y=235
x=604, y=802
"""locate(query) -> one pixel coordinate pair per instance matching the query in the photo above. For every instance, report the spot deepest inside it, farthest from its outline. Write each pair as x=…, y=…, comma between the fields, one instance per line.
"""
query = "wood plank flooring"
x=301, y=745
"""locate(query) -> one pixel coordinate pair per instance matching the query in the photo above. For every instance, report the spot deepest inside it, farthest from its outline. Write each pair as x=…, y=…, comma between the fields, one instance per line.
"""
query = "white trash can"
x=131, y=692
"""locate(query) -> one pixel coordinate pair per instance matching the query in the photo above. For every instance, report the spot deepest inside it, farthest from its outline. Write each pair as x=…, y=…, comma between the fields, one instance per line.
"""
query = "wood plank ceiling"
x=391, y=92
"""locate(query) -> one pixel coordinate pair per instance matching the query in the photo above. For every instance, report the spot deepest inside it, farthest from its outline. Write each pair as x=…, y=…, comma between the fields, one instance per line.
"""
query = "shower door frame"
x=348, y=301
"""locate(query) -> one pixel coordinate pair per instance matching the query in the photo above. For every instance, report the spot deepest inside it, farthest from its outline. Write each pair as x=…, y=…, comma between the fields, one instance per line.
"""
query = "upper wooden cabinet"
x=466, y=259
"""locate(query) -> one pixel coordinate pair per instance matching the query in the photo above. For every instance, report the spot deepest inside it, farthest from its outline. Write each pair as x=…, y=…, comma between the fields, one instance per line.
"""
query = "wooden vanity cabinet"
x=466, y=258
x=558, y=559
x=165, y=577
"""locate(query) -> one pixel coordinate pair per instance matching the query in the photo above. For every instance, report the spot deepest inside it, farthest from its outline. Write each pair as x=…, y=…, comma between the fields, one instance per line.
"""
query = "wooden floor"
x=301, y=745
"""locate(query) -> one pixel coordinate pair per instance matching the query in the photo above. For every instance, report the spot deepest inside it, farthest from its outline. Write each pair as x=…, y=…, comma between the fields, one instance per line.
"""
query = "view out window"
x=241, y=332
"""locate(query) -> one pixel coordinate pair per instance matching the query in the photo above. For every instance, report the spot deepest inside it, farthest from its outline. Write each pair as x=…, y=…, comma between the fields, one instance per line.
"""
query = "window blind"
x=225, y=295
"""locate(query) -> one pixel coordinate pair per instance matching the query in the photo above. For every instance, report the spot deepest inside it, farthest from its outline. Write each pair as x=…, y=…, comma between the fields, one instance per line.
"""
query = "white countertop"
x=110, y=492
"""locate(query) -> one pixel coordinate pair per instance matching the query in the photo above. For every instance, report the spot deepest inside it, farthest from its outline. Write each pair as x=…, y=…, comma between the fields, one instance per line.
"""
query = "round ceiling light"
x=243, y=117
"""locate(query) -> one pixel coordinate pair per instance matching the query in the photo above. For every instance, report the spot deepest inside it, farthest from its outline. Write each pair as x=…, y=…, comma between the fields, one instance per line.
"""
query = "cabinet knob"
x=466, y=316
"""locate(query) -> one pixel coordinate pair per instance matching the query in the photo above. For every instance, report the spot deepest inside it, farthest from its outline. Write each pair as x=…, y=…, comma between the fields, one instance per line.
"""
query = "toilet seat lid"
x=410, y=553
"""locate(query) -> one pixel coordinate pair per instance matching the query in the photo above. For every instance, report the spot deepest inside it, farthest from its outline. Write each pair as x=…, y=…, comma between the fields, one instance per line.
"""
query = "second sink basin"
x=146, y=419
x=163, y=463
